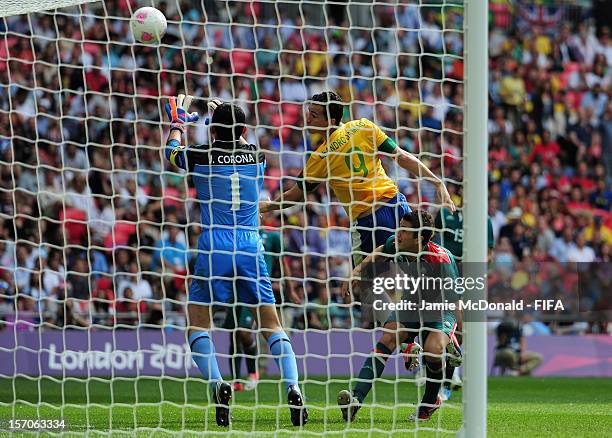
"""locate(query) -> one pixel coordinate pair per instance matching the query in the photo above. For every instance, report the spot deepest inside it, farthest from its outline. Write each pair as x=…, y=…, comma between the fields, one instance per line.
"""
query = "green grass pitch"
x=518, y=407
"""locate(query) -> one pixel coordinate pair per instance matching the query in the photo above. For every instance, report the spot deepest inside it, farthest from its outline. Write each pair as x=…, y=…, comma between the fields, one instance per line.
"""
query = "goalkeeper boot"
x=424, y=413
x=299, y=414
x=411, y=353
x=349, y=405
x=222, y=396
x=454, y=355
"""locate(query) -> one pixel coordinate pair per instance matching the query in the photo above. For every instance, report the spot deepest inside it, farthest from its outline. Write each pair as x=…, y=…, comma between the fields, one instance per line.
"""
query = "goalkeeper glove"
x=212, y=106
x=177, y=109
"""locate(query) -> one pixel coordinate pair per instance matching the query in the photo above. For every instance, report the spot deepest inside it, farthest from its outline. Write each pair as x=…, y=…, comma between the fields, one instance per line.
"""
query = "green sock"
x=372, y=368
x=448, y=375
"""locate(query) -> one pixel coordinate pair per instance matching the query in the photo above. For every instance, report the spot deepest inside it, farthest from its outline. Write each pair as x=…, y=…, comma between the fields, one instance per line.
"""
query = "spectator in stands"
x=140, y=288
x=101, y=218
x=78, y=279
x=580, y=252
x=53, y=281
x=514, y=218
x=545, y=151
x=170, y=254
x=74, y=158
x=23, y=269
x=601, y=197
x=145, y=238
x=127, y=308
x=7, y=305
x=78, y=312
x=532, y=327
x=562, y=245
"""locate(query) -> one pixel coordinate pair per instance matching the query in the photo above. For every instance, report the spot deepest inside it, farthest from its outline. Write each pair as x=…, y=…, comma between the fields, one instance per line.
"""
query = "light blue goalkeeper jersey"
x=228, y=178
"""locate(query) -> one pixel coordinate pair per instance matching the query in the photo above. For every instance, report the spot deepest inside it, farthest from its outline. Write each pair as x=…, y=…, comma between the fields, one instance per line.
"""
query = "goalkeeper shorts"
x=230, y=267
x=371, y=231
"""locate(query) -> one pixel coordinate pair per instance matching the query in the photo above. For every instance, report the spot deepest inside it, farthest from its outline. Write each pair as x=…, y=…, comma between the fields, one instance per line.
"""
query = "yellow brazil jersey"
x=349, y=162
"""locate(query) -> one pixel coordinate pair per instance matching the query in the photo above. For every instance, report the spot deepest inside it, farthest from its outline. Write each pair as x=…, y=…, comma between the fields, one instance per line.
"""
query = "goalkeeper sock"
x=235, y=359
x=203, y=353
x=432, y=386
x=372, y=368
x=281, y=349
x=251, y=357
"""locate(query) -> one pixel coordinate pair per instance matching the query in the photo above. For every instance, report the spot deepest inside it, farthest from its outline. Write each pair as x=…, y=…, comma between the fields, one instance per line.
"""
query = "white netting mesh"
x=99, y=232
x=13, y=7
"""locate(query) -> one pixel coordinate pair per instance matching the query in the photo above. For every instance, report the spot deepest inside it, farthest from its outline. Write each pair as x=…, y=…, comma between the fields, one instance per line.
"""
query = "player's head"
x=324, y=110
x=414, y=226
x=228, y=122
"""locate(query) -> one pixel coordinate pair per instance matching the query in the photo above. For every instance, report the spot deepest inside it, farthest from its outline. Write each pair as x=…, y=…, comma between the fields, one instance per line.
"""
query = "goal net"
x=99, y=232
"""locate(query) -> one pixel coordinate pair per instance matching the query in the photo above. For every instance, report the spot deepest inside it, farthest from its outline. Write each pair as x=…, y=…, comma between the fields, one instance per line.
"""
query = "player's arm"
x=175, y=151
x=415, y=166
x=377, y=255
x=178, y=115
x=412, y=164
x=283, y=200
x=309, y=179
x=316, y=169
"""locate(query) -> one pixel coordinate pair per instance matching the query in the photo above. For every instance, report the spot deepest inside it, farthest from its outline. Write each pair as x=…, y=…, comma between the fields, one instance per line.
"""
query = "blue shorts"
x=372, y=231
x=230, y=268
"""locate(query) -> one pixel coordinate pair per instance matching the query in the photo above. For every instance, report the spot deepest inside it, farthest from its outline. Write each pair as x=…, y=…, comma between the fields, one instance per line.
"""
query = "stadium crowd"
x=93, y=217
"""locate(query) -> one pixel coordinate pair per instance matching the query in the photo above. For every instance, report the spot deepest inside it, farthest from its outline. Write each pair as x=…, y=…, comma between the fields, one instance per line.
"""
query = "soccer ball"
x=148, y=25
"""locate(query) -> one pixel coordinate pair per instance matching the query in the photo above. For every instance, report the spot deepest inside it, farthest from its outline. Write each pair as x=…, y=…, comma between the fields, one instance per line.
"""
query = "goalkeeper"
x=228, y=177
x=349, y=160
x=435, y=328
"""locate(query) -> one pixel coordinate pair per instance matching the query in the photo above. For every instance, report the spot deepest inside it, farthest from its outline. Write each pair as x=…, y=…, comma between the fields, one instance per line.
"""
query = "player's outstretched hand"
x=266, y=207
x=445, y=198
x=345, y=292
x=177, y=109
x=348, y=287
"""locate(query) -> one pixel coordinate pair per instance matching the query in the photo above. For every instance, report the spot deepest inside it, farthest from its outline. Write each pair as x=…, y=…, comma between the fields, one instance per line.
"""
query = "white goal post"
x=475, y=214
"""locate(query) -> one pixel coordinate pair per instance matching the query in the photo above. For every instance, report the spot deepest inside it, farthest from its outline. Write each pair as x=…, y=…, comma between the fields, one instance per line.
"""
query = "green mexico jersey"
x=272, y=243
x=434, y=254
x=451, y=231
x=436, y=261
x=390, y=250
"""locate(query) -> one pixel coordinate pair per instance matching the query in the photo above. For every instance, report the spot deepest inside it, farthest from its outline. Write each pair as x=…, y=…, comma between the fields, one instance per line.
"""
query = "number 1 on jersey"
x=235, y=182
